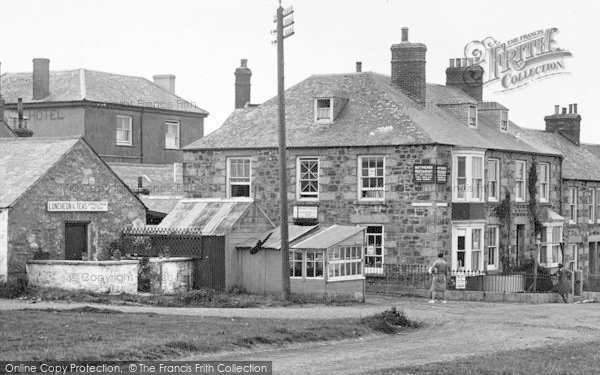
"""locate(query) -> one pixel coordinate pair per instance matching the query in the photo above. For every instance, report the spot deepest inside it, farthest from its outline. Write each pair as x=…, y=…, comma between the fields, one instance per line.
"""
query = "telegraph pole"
x=285, y=28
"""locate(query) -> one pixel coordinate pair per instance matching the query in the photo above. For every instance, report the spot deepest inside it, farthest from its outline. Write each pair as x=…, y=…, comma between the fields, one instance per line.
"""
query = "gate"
x=207, y=252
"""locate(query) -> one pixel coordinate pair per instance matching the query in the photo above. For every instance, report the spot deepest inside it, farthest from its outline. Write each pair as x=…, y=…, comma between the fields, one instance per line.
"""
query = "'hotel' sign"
x=78, y=206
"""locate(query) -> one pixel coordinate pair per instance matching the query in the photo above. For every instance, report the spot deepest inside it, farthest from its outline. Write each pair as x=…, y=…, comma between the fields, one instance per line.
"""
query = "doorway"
x=76, y=241
x=593, y=254
x=520, y=244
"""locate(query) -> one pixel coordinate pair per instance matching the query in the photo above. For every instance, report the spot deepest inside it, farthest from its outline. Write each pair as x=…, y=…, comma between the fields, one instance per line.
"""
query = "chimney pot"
x=458, y=63
x=575, y=108
x=470, y=61
x=564, y=110
x=570, y=108
x=242, y=84
x=166, y=81
x=358, y=67
x=140, y=182
x=41, y=78
x=451, y=63
x=405, y=34
x=464, y=62
x=556, y=109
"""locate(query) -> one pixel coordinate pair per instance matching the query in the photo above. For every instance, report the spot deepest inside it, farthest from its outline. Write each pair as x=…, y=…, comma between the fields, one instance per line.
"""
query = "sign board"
x=370, y=250
x=306, y=212
x=441, y=174
x=372, y=172
x=77, y=206
x=461, y=281
x=423, y=173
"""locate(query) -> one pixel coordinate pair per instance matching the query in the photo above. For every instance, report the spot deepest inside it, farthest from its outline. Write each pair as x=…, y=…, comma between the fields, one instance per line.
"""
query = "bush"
x=13, y=289
x=391, y=321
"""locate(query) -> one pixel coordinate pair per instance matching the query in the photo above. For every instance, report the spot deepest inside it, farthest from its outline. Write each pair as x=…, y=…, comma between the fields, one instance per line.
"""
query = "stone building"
x=59, y=200
x=580, y=196
x=424, y=167
x=124, y=118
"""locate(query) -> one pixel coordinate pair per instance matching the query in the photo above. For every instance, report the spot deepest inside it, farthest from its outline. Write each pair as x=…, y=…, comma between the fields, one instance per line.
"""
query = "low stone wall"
x=95, y=276
x=170, y=275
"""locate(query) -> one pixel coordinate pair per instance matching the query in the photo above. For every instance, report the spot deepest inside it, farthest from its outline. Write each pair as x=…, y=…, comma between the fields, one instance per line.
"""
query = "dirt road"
x=455, y=330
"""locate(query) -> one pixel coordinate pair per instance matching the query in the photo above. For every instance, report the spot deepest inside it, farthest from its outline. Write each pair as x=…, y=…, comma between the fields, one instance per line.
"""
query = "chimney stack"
x=408, y=68
x=166, y=81
x=466, y=76
x=358, y=67
x=566, y=124
x=242, y=84
x=41, y=78
x=21, y=129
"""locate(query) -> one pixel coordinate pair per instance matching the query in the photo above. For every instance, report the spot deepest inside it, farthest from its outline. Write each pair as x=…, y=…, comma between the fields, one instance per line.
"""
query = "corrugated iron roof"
x=214, y=217
x=271, y=239
x=327, y=237
x=162, y=204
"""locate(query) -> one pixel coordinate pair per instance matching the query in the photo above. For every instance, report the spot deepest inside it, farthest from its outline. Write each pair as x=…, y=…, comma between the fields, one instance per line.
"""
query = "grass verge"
x=577, y=358
x=194, y=298
x=93, y=334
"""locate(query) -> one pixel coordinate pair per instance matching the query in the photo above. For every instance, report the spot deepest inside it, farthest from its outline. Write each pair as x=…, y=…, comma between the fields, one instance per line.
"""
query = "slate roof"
x=212, y=217
x=94, y=86
x=23, y=161
x=593, y=148
x=577, y=164
x=376, y=114
x=159, y=179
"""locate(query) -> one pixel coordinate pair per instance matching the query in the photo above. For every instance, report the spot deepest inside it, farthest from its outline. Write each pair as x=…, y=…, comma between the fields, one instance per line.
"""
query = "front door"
x=593, y=254
x=75, y=241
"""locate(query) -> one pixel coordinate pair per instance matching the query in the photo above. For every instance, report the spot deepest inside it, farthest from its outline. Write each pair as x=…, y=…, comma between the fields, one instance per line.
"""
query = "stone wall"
x=411, y=236
x=584, y=231
x=170, y=275
x=520, y=214
x=112, y=277
x=80, y=176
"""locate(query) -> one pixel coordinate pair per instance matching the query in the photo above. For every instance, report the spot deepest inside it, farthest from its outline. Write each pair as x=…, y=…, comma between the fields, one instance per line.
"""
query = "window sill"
x=175, y=149
x=305, y=278
x=307, y=202
x=124, y=145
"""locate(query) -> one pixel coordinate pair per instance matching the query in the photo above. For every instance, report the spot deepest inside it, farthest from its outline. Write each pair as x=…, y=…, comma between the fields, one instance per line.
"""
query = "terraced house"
x=126, y=119
x=422, y=166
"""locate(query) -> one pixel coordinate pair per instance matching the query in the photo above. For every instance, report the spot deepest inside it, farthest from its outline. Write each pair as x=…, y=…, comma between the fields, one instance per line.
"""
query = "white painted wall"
x=3, y=245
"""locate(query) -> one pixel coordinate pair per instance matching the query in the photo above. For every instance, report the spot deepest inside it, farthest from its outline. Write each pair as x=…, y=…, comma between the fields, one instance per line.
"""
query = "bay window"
x=492, y=177
x=551, y=239
x=468, y=172
x=467, y=247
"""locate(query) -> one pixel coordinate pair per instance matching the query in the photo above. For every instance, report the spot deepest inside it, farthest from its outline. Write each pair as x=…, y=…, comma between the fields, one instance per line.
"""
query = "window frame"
x=292, y=260
x=468, y=229
x=316, y=110
x=548, y=246
x=495, y=246
x=361, y=188
x=496, y=196
x=169, y=123
x=543, y=184
x=357, y=260
x=472, y=107
x=299, y=180
x=597, y=192
x=118, y=123
x=572, y=202
x=523, y=191
x=468, y=195
x=374, y=270
x=228, y=177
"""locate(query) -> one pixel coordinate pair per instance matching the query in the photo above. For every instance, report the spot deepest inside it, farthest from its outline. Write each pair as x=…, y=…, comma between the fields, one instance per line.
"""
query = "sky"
x=202, y=42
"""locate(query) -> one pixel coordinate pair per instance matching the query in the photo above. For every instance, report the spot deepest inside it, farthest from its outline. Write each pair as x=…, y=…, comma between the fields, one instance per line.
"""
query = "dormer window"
x=323, y=110
x=504, y=121
x=472, y=116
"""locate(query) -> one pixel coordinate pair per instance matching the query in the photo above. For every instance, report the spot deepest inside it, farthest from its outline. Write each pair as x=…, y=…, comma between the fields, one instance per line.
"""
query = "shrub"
x=13, y=289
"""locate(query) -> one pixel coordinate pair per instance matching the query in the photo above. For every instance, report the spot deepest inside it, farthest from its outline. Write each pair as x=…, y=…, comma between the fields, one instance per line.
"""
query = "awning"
x=546, y=215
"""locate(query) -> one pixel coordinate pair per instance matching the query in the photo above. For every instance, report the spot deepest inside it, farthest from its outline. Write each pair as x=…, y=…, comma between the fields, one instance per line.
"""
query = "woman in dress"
x=564, y=284
x=439, y=269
